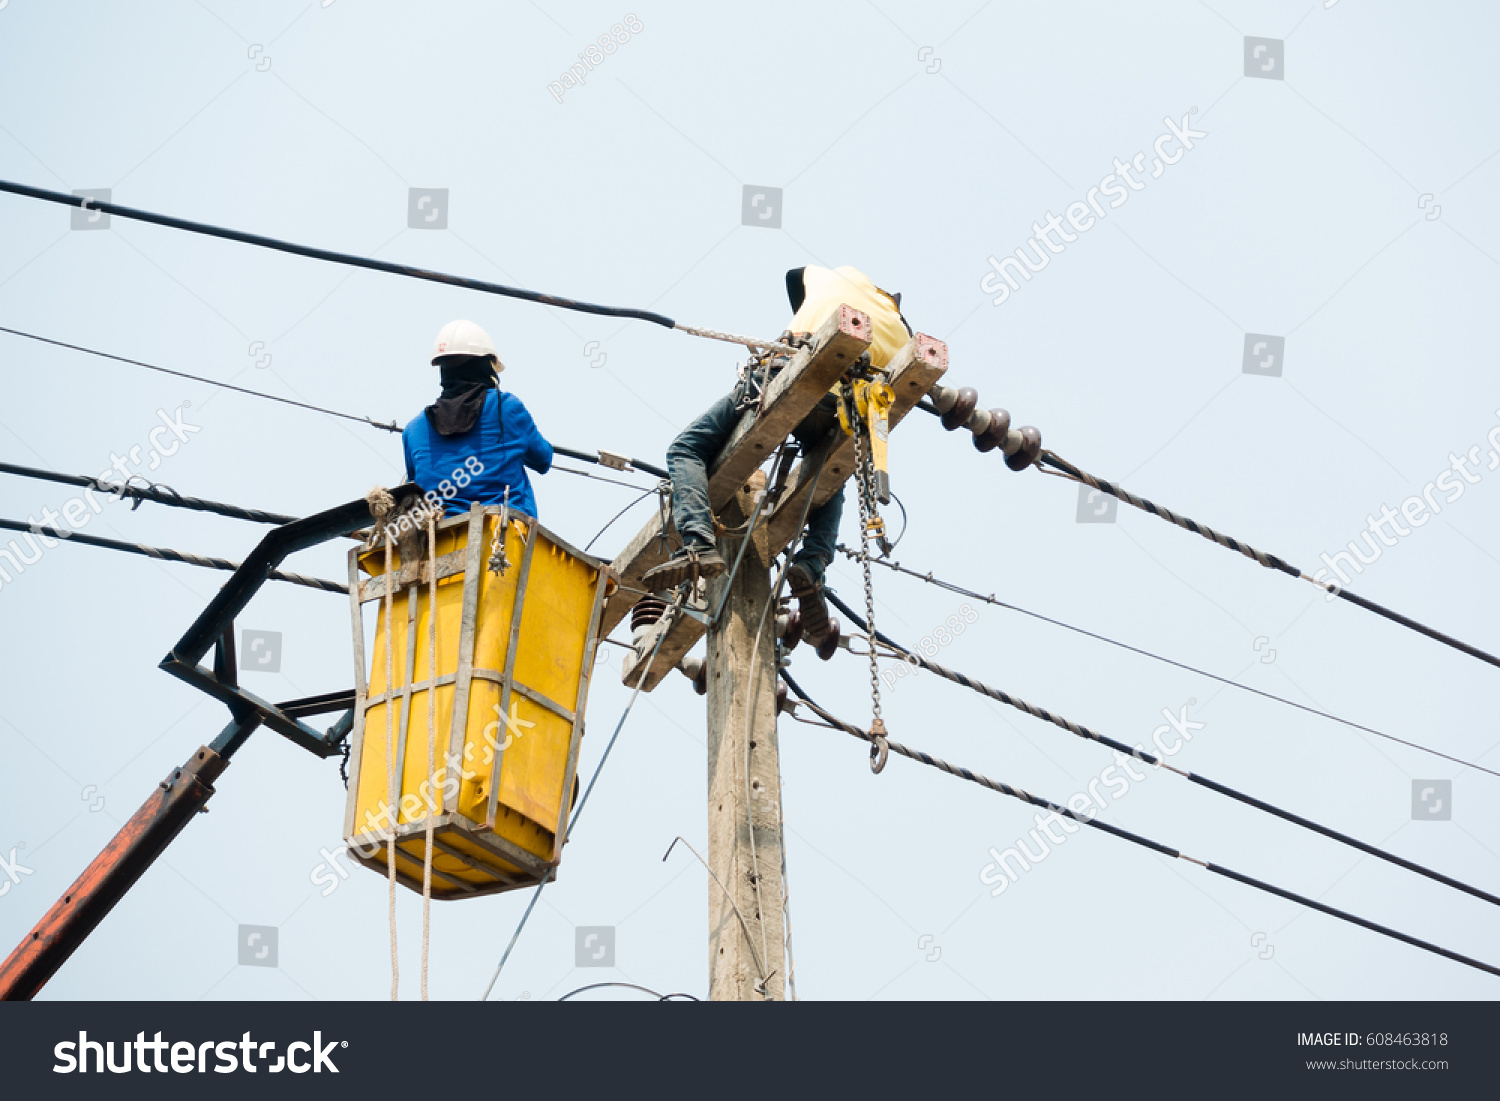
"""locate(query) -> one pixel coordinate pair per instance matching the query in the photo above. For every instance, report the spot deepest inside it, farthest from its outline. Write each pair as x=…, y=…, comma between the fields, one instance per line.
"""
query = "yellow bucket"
x=515, y=647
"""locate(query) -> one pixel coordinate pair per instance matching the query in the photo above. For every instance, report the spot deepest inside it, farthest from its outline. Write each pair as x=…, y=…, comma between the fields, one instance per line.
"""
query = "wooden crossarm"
x=794, y=392
x=789, y=397
x=912, y=372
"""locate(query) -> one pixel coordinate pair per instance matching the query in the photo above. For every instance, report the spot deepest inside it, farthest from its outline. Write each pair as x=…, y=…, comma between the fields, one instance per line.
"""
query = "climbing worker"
x=475, y=442
x=814, y=293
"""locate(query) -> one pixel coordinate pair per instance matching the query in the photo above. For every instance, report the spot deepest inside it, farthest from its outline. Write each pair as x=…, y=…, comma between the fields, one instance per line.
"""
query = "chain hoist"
x=870, y=526
x=865, y=414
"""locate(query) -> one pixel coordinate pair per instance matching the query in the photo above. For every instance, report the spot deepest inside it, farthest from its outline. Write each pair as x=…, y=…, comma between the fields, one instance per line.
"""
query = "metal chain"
x=864, y=479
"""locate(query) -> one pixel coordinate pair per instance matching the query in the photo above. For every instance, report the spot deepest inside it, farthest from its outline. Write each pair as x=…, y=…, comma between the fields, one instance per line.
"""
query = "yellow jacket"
x=825, y=290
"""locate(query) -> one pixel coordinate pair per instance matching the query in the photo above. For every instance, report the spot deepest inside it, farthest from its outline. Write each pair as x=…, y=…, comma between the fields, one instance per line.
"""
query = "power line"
x=615, y=517
x=595, y=477
x=612, y=461
x=930, y=579
x=392, y=427
x=1135, y=838
x=1270, y=561
x=599, y=458
x=1151, y=759
x=166, y=554
x=379, y=265
x=1043, y=458
x=632, y=986
x=166, y=495
x=162, y=495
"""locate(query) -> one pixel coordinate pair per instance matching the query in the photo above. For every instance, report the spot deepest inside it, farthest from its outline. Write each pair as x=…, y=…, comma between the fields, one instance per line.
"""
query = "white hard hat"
x=464, y=338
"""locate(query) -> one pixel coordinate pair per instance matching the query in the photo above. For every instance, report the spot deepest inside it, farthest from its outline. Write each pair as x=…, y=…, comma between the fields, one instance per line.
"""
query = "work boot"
x=682, y=566
x=810, y=601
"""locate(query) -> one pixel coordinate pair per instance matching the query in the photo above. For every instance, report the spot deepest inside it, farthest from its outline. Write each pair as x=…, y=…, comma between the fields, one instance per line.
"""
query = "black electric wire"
x=594, y=477
x=930, y=579
x=166, y=554
x=166, y=495
x=392, y=427
x=1151, y=759
x=1135, y=838
x=595, y=457
x=1063, y=468
x=332, y=257
x=615, y=517
x=385, y=266
x=633, y=986
x=901, y=505
x=1270, y=561
x=163, y=495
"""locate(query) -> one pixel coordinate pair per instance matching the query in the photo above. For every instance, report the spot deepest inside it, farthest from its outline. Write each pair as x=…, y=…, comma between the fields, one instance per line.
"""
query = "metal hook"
x=880, y=749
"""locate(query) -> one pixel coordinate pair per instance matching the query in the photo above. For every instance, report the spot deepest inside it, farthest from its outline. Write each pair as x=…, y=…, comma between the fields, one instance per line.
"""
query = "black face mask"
x=465, y=386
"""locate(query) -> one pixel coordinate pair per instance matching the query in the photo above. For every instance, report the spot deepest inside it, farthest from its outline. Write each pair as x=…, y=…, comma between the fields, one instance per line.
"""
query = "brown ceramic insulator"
x=830, y=644
x=700, y=682
x=1026, y=454
x=781, y=695
x=647, y=610
x=955, y=417
x=993, y=436
x=793, y=633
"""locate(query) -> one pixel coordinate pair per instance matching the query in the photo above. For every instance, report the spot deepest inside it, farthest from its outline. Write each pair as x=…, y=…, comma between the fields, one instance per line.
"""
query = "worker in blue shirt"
x=474, y=443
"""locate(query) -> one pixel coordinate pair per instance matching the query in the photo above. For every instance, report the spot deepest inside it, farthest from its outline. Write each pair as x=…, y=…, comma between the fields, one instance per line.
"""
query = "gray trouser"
x=699, y=444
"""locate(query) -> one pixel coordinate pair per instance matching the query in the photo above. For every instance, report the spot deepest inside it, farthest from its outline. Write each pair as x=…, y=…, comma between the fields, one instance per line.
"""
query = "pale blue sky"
x=1300, y=215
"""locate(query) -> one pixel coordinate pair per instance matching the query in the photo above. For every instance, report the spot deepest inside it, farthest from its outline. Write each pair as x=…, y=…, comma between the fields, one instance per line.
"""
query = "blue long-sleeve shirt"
x=504, y=439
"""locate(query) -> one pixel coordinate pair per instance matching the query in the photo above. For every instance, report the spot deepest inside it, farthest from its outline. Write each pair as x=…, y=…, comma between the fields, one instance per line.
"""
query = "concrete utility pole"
x=740, y=722
x=744, y=797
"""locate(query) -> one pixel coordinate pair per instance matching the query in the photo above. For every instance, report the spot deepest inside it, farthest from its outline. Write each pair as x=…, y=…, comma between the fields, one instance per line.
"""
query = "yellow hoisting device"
x=872, y=404
x=518, y=614
x=824, y=292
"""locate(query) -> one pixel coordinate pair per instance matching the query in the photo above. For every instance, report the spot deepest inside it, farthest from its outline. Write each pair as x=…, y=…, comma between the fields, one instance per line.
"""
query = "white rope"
x=749, y=342
x=431, y=745
x=390, y=766
x=381, y=505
